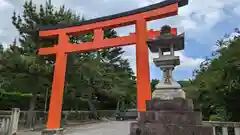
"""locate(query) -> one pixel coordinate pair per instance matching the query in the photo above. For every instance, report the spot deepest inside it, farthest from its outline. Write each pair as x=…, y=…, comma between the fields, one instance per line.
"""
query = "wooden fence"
x=68, y=118
x=9, y=122
x=224, y=128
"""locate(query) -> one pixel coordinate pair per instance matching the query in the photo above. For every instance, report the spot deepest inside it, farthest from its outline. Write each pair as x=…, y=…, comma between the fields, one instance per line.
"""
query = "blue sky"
x=203, y=21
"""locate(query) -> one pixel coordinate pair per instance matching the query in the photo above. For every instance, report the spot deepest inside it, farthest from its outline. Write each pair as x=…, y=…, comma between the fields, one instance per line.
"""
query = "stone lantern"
x=168, y=112
x=167, y=88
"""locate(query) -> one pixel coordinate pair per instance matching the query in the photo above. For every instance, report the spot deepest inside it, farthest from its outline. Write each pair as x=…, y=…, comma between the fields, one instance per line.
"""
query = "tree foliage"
x=216, y=82
x=90, y=76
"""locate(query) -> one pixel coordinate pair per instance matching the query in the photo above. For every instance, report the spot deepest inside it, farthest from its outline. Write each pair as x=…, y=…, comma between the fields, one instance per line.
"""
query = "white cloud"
x=130, y=54
x=201, y=15
x=237, y=10
x=185, y=61
x=198, y=17
x=188, y=62
x=188, y=24
x=5, y=5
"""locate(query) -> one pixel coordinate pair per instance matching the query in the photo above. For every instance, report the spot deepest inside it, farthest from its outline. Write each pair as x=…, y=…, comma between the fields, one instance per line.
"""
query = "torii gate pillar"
x=142, y=61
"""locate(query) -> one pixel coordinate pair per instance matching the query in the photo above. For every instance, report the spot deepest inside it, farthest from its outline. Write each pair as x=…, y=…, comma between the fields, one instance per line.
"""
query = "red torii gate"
x=139, y=17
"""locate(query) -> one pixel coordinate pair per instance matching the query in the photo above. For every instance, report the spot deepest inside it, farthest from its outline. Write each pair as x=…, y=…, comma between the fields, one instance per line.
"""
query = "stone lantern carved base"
x=168, y=91
x=170, y=117
x=169, y=94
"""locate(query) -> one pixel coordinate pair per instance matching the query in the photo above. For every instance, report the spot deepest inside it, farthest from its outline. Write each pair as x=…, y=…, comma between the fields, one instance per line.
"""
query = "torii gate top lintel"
x=152, y=12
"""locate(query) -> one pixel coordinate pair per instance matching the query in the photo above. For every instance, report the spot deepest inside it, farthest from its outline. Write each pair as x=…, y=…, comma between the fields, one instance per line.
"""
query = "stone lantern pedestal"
x=169, y=112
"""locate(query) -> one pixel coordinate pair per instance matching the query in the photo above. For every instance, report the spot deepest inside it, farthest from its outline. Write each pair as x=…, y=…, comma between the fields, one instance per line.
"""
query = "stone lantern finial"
x=166, y=29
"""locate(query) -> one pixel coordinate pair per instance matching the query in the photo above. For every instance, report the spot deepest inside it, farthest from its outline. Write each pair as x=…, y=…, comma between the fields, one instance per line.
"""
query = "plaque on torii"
x=137, y=17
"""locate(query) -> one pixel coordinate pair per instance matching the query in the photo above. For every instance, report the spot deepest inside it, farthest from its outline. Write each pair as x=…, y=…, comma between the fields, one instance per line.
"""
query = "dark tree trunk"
x=31, y=114
x=93, y=109
x=91, y=105
x=76, y=105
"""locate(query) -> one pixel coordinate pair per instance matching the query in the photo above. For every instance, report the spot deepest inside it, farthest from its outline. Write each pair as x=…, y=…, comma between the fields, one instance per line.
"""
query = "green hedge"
x=10, y=100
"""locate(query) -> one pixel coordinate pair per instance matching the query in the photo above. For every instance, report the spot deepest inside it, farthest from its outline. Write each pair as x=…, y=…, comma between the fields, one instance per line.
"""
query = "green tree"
x=90, y=76
x=154, y=82
x=217, y=81
x=87, y=73
x=34, y=73
x=1, y=49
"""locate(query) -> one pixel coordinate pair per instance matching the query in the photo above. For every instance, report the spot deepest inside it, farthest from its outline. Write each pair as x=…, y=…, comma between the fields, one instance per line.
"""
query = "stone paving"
x=28, y=133
x=104, y=128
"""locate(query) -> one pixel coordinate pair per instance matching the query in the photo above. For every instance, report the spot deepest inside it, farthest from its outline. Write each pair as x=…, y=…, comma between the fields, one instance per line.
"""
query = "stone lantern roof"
x=165, y=40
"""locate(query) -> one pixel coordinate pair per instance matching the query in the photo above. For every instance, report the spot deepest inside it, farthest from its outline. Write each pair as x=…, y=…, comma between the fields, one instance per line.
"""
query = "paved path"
x=28, y=133
x=105, y=128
